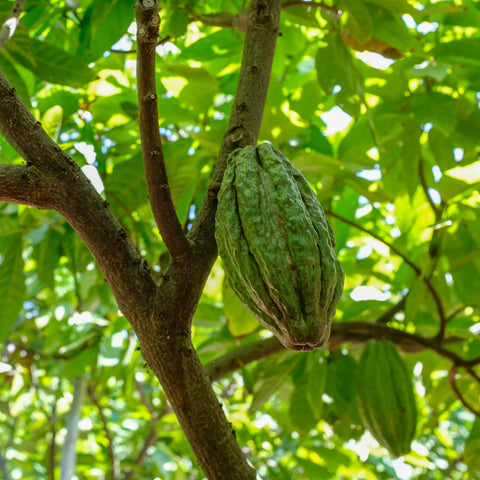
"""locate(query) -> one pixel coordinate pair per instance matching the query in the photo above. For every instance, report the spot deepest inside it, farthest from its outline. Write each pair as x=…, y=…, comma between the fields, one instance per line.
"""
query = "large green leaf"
x=48, y=62
x=334, y=66
x=12, y=283
x=240, y=321
x=359, y=22
x=103, y=24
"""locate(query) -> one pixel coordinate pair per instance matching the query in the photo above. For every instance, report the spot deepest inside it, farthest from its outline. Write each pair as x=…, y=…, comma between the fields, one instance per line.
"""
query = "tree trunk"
x=161, y=315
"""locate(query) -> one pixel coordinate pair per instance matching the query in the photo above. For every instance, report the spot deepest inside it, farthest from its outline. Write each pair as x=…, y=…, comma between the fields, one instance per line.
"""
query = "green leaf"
x=300, y=411
x=103, y=25
x=223, y=43
x=437, y=108
x=126, y=184
x=178, y=23
x=437, y=71
x=334, y=66
x=52, y=121
x=14, y=78
x=359, y=22
x=316, y=379
x=441, y=147
x=392, y=30
x=12, y=283
x=239, y=319
x=314, y=470
x=394, y=6
x=471, y=454
x=306, y=403
x=47, y=256
x=465, y=50
x=198, y=79
x=49, y=62
x=340, y=382
x=270, y=378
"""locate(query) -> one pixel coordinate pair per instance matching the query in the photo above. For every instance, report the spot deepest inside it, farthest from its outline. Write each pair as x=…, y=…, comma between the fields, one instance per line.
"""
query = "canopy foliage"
x=399, y=180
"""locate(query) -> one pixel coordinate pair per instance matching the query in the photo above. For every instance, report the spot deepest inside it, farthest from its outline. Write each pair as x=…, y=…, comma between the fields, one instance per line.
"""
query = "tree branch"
x=51, y=179
x=68, y=462
x=165, y=335
x=434, y=249
x=238, y=358
x=10, y=25
x=148, y=23
x=390, y=313
x=247, y=110
x=24, y=184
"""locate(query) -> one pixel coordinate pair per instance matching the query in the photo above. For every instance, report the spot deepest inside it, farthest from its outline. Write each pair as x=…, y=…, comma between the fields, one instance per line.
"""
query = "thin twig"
x=306, y=3
x=459, y=395
x=426, y=280
x=434, y=248
x=10, y=24
x=390, y=313
x=148, y=23
x=114, y=464
x=152, y=435
x=423, y=182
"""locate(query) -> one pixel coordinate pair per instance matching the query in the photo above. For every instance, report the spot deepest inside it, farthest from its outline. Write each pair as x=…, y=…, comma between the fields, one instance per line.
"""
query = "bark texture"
x=161, y=314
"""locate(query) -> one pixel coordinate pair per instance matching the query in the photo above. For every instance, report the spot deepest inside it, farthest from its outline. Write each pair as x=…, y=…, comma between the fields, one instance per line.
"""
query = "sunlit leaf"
x=49, y=62
x=12, y=283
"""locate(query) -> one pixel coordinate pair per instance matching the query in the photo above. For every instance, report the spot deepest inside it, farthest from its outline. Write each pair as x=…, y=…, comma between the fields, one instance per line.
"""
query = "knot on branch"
x=148, y=3
x=213, y=190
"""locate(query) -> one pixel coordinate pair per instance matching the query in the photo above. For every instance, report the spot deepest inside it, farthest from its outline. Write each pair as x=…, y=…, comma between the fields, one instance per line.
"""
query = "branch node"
x=237, y=133
x=213, y=190
x=148, y=3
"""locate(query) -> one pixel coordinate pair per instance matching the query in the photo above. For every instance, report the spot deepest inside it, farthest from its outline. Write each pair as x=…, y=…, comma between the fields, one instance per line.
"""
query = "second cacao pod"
x=386, y=402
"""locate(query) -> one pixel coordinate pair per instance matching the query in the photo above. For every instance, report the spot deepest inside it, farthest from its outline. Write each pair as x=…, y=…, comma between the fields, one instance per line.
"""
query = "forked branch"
x=248, y=105
x=148, y=23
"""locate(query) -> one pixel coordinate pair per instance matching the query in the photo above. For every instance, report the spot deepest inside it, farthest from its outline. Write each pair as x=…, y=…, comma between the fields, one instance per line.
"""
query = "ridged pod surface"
x=385, y=397
x=277, y=247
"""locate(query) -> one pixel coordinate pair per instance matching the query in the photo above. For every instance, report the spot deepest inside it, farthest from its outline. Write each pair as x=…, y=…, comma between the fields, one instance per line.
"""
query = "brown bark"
x=165, y=337
x=160, y=315
x=148, y=22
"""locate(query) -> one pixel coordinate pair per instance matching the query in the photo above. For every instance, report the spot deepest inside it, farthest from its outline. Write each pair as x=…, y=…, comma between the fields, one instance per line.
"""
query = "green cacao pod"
x=385, y=397
x=277, y=247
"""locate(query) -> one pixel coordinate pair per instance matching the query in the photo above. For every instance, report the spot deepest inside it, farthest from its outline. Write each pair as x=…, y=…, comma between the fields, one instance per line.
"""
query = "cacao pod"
x=277, y=247
x=385, y=397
